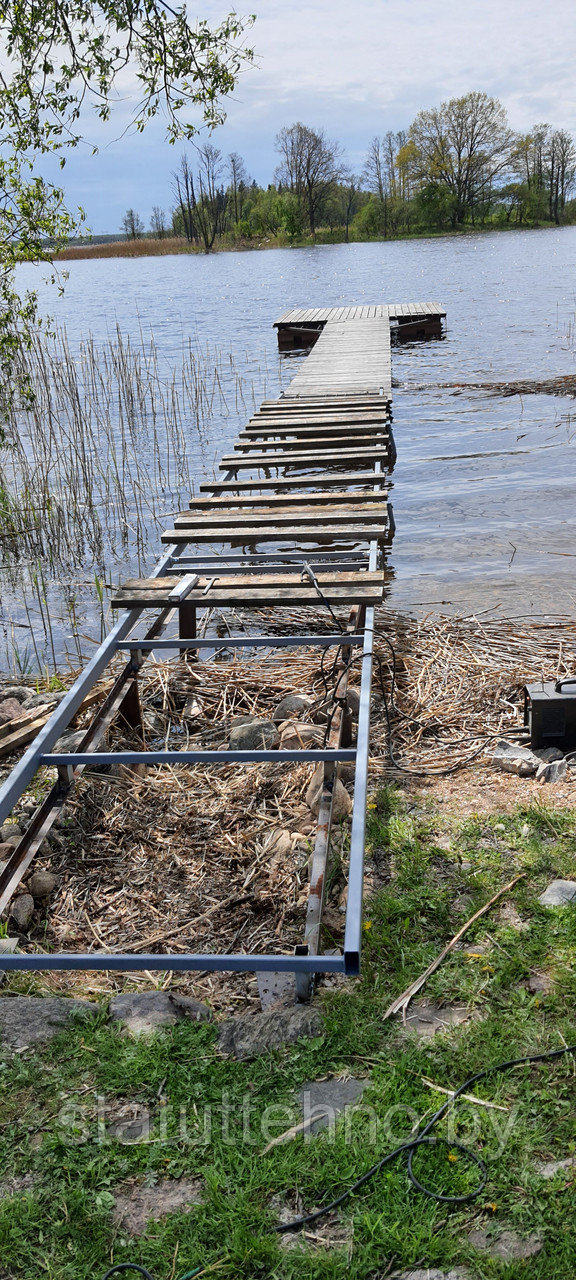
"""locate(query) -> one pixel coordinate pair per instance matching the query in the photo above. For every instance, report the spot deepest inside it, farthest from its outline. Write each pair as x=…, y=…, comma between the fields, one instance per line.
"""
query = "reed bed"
x=146, y=247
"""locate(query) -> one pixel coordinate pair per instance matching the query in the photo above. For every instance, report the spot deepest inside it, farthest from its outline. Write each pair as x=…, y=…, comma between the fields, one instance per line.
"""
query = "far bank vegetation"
x=458, y=166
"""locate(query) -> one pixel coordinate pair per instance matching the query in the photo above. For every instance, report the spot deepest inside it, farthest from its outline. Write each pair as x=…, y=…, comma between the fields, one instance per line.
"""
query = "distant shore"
x=148, y=246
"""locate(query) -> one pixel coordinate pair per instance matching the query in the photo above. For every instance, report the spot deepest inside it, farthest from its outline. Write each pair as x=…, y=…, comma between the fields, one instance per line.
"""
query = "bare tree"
x=238, y=178
x=561, y=171
x=158, y=223
x=132, y=225
x=310, y=162
x=186, y=198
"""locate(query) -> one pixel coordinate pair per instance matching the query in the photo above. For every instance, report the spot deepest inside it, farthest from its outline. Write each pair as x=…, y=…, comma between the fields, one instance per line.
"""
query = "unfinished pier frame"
x=308, y=470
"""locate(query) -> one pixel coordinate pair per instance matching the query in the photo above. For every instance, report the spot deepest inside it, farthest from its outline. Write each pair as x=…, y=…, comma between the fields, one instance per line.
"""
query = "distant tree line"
x=458, y=165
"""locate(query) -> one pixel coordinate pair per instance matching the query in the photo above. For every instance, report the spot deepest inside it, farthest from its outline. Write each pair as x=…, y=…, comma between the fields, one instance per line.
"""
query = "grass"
x=56, y=1102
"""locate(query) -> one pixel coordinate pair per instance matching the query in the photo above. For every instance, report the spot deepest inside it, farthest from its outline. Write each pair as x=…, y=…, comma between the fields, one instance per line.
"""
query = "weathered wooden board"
x=347, y=498
x=325, y=480
x=340, y=455
x=344, y=531
x=283, y=588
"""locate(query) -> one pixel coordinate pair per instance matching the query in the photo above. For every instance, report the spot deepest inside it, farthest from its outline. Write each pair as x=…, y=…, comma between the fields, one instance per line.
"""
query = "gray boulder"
x=26, y=1020
x=260, y=1033
x=552, y=771
x=292, y=706
x=558, y=893
x=143, y=1012
x=258, y=735
x=514, y=759
x=42, y=884
x=22, y=910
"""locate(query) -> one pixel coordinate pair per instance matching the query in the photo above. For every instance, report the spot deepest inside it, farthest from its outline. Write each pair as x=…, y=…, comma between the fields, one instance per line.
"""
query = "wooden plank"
x=289, y=519
x=244, y=502
x=237, y=462
x=264, y=596
x=344, y=532
x=315, y=443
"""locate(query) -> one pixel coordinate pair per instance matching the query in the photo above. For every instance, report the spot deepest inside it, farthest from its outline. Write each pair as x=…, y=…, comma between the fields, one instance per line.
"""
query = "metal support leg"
x=187, y=627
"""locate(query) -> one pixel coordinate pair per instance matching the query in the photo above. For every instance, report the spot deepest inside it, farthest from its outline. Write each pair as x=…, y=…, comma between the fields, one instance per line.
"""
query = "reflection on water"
x=483, y=486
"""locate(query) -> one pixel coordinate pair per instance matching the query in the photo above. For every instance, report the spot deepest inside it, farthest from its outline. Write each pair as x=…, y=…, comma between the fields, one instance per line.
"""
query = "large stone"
x=433, y=1273
x=69, y=741
x=292, y=705
x=552, y=771
x=258, y=735
x=260, y=1033
x=42, y=884
x=10, y=833
x=10, y=709
x=341, y=803
x=506, y=1246
x=514, y=759
x=22, y=910
x=322, y=1100
x=295, y=735
x=143, y=1012
x=558, y=893
x=136, y=1205
x=26, y=1020
x=546, y=754
x=17, y=691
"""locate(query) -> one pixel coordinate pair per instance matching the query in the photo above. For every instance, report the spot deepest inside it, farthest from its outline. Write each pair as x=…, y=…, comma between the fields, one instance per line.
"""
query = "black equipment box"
x=550, y=713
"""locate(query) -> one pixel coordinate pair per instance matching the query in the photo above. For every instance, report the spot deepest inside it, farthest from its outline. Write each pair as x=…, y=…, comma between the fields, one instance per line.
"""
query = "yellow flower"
x=452, y=1157
x=367, y=924
x=372, y=806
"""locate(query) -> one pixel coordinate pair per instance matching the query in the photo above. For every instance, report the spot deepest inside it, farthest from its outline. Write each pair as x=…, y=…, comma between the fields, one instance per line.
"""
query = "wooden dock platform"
x=298, y=518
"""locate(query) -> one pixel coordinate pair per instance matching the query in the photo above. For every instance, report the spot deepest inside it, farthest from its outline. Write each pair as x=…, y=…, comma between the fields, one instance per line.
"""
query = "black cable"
x=421, y=1140
x=128, y=1266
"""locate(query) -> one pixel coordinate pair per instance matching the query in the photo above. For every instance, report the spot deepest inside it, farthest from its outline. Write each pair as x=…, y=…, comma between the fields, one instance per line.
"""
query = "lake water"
x=483, y=489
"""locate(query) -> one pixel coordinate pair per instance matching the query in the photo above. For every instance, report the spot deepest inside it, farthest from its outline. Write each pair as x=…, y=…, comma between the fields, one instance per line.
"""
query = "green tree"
x=132, y=225
x=462, y=145
x=62, y=56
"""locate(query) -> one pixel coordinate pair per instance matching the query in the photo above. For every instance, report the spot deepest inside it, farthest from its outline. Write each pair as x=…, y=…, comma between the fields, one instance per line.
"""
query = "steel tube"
x=133, y=961
x=63, y=758
x=244, y=642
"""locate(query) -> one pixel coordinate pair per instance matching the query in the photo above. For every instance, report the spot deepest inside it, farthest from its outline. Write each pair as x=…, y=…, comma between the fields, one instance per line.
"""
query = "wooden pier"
x=298, y=517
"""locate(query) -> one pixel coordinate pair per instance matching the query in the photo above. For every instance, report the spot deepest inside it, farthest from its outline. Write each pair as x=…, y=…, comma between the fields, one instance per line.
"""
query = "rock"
x=260, y=1033
x=45, y=699
x=258, y=735
x=295, y=735
x=322, y=1100
x=514, y=759
x=558, y=893
x=433, y=1273
x=278, y=843
x=526, y=831
x=26, y=1020
x=22, y=910
x=552, y=772
x=10, y=833
x=546, y=754
x=142, y=1012
x=136, y=1205
x=42, y=884
x=292, y=705
x=427, y=1018
x=6, y=851
x=549, y=1168
x=69, y=741
x=10, y=709
x=508, y=1246
x=342, y=802
x=17, y=691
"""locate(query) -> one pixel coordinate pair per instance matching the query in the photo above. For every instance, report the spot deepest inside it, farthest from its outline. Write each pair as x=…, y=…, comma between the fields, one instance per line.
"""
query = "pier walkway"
x=297, y=517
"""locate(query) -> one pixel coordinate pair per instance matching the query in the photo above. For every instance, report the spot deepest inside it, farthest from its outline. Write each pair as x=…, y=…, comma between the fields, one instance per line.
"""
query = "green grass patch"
x=63, y=1107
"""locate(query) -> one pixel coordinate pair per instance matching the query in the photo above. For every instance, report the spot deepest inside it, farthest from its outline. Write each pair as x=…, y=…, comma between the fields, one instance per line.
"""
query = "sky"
x=353, y=67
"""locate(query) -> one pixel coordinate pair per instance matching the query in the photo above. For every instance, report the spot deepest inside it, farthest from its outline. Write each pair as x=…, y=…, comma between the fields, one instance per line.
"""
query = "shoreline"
x=148, y=247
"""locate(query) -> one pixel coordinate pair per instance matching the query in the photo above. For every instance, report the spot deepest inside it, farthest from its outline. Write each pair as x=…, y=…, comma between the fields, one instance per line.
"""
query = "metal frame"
x=307, y=961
